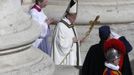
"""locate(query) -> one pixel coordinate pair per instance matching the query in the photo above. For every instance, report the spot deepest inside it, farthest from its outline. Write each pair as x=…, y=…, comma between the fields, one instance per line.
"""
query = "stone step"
x=67, y=70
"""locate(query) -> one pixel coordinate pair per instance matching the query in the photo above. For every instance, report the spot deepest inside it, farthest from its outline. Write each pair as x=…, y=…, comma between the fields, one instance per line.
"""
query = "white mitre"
x=73, y=9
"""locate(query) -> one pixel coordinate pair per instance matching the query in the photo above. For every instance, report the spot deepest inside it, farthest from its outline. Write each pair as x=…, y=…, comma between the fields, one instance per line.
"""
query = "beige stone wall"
x=110, y=11
x=27, y=1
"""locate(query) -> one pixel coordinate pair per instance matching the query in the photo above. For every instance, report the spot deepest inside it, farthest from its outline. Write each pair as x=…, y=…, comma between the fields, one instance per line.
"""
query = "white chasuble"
x=64, y=51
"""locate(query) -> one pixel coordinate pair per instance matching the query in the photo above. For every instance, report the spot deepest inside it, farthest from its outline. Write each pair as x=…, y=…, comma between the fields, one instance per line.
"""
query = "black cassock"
x=126, y=68
x=94, y=61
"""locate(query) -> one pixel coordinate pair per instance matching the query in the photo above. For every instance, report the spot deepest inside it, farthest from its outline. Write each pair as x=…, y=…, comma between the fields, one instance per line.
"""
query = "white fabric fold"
x=115, y=35
x=112, y=66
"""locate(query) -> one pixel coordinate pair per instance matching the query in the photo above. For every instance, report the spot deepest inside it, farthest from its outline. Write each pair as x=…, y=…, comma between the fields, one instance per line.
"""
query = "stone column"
x=17, y=33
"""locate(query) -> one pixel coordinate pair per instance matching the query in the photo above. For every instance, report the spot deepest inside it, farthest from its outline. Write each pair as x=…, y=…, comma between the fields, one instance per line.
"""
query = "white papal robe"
x=63, y=43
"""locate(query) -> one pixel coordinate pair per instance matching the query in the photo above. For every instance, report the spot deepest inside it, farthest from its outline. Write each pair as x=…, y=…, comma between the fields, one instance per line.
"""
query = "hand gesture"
x=75, y=40
x=51, y=21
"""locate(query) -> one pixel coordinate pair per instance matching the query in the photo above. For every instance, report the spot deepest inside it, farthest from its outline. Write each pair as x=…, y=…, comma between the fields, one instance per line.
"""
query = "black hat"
x=104, y=32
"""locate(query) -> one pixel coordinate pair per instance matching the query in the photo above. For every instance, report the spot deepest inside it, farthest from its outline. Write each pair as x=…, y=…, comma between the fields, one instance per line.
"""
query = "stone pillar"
x=17, y=33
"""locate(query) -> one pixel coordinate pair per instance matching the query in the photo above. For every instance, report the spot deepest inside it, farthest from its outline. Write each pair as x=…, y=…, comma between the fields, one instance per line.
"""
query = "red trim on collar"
x=36, y=7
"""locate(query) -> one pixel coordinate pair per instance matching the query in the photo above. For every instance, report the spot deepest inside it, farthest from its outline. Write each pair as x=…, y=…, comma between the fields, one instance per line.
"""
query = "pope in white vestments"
x=65, y=50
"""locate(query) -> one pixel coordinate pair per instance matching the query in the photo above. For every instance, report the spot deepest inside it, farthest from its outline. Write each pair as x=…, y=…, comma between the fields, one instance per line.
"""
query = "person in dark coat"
x=126, y=66
x=94, y=61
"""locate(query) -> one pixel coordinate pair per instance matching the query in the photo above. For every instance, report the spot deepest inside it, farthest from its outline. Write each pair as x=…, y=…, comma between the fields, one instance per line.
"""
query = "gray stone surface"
x=17, y=33
x=66, y=70
x=110, y=11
